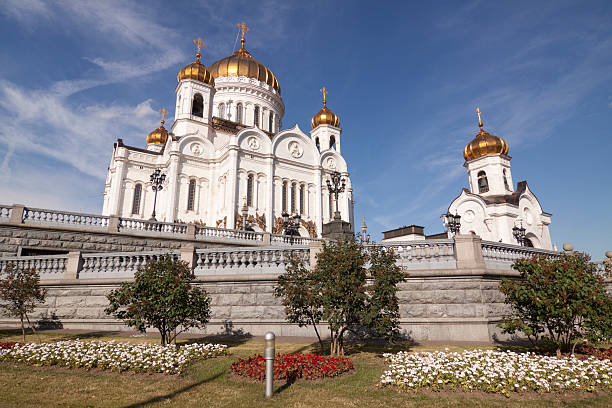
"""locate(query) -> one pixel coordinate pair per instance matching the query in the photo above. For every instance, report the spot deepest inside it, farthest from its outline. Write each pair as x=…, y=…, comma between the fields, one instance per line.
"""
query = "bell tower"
x=326, y=127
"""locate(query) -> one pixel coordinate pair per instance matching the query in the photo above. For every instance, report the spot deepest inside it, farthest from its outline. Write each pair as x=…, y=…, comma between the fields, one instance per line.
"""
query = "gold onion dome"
x=484, y=143
x=196, y=70
x=242, y=63
x=159, y=135
x=325, y=116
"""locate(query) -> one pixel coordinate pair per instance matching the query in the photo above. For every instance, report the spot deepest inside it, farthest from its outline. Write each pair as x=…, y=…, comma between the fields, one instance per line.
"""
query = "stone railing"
x=262, y=260
x=276, y=239
x=202, y=232
x=498, y=255
x=39, y=216
x=5, y=212
x=47, y=266
x=425, y=254
x=118, y=264
x=154, y=227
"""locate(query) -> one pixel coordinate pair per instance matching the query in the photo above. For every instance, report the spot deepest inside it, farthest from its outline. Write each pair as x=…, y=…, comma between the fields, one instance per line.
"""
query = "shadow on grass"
x=377, y=347
x=173, y=394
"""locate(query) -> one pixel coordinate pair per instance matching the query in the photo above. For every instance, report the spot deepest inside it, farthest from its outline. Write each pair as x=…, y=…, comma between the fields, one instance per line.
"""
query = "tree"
x=161, y=296
x=302, y=302
x=562, y=299
x=343, y=292
x=21, y=292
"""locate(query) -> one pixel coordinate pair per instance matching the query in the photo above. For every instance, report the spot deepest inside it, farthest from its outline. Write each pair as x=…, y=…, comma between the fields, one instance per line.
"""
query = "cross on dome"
x=324, y=92
x=244, y=29
x=199, y=43
x=163, y=111
x=479, y=118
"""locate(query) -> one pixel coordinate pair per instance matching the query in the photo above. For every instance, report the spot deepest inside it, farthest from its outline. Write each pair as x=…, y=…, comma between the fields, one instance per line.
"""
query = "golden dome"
x=196, y=70
x=241, y=63
x=159, y=135
x=484, y=143
x=325, y=116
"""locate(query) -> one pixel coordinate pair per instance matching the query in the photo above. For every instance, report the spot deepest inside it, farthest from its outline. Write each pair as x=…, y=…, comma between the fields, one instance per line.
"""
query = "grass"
x=207, y=384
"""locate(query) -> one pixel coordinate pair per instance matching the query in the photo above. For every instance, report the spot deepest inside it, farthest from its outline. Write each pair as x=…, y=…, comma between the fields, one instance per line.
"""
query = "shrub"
x=290, y=367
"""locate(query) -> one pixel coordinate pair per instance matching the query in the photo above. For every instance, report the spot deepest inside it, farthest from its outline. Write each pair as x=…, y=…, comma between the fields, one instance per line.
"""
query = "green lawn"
x=207, y=384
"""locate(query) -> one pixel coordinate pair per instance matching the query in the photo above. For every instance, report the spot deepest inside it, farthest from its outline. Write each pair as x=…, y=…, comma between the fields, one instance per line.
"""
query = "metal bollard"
x=269, y=356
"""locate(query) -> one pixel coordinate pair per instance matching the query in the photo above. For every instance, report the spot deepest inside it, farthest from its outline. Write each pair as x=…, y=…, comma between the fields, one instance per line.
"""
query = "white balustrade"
x=47, y=266
x=501, y=256
x=118, y=264
x=38, y=216
x=148, y=226
x=5, y=212
x=424, y=254
x=202, y=232
x=248, y=260
x=276, y=239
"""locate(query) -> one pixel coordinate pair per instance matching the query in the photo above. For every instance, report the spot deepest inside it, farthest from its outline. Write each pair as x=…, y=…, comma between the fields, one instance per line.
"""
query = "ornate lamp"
x=157, y=181
x=291, y=224
x=519, y=232
x=452, y=222
x=335, y=186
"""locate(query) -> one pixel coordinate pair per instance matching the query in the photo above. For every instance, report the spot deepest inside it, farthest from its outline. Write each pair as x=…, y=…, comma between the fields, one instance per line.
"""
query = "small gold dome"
x=484, y=143
x=159, y=135
x=242, y=63
x=196, y=70
x=325, y=116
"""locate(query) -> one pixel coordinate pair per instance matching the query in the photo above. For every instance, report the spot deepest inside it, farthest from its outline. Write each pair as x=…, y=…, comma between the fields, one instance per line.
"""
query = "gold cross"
x=324, y=92
x=244, y=29
x=479, y=119
x=199, y=43
x=163, y=112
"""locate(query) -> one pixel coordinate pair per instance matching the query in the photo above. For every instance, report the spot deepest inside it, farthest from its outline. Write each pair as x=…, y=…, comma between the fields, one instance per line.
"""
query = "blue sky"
x=404, y=77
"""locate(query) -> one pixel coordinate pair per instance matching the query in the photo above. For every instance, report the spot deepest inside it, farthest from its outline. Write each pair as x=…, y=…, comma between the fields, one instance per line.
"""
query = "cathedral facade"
x=226, y=155
x=492, y=207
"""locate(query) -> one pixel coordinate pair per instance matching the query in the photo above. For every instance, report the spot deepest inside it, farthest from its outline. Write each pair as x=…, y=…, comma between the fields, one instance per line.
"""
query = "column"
x=318, y=200
x=269, y=207
x=115, y=198
x=172, y=176
x=232, y=187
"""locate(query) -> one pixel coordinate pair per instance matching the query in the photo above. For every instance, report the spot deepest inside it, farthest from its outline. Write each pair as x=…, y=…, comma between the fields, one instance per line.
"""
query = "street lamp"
x=338, y=187
x=452, y=222
x=291, y=225
x=519, y=232
x=365, y=237
x=157, y=180
x=246, y=225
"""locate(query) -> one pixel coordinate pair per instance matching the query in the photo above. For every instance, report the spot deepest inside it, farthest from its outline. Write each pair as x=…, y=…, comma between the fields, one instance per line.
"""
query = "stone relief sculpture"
x=295, y=150
x=222, y=222
x=310, y=227
x=253, y=143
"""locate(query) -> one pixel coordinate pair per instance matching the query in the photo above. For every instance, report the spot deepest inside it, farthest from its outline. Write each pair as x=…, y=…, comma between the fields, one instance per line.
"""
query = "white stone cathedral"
x=491, y=208
x=226, y=149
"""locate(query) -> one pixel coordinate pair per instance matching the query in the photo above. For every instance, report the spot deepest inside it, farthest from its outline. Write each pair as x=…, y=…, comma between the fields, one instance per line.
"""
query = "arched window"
x=506, y=181
x=302, y=193
x=271, y=122
x=483, y=183
x=284, y=196
x=197, y=108
x=239, y=113
x=250, y=190
x=256, y=116
x=191, y=195
x=331, y=206
x=332, y=142
x=222, y=111
x=293, y=198
x=318, y=143
x=136, y=201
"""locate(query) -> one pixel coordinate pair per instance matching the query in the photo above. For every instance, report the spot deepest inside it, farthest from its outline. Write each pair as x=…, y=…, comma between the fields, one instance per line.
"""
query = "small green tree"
x=161, y=296
x=342, y=291
x=21, y=292
x=301, y=299
x=562, y=299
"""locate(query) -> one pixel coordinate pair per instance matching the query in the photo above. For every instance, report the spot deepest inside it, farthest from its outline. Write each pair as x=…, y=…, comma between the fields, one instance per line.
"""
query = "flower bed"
x=139, y=358
x=9, y=345
x=293, y=366
x=495, y=371
x=600, y=353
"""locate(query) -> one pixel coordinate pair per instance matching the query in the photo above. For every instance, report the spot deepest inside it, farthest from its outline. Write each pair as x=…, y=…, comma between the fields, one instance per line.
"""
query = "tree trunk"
x=318, y=335
x=32, y=327
x=22, y=328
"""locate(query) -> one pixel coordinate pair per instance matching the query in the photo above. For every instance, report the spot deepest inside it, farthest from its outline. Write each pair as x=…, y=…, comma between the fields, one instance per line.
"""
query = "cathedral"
x=226, y=156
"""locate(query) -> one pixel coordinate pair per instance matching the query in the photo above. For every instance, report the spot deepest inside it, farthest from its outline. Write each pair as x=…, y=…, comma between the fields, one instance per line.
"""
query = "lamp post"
x=291, y=225
x=246, y=225
x=452, y=222
x=519, y=232
x=365, y=237
x=157, y=180
x=336, y=186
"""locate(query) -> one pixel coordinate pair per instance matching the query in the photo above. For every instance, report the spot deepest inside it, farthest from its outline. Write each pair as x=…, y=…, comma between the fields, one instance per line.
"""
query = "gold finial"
x=324, y=92
x=199, y=43
x=244, y=29
x=479, y=119
x=163, y=111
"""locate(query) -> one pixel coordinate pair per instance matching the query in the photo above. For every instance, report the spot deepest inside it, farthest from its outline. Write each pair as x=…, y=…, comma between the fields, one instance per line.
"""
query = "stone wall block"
x=435, y=311
x=241, y=288
x=274, y=312
x=20, y=234
x=493, y=296
x=228, y=300
x=64, y=312
x=267, y=299
x=70, y=301
x=407, y=310
x=473, y=296
x=96, y=301
x=423, y=297
x=461, y=310
x=249, y=300
x=247, y=312
x=220, y=312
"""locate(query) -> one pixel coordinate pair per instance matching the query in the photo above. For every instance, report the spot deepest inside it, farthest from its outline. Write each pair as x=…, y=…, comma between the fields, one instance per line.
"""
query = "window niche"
x=136, y=200
x=483, y=183
x=197, y=107
x=191, y=195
